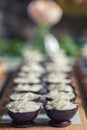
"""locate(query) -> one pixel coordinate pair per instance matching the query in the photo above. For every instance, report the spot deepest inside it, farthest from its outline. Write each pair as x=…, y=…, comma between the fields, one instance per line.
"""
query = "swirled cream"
x=51, y=78
x=33, y=88
x=33, y=56
x=65, y=81
x=56, y=94
x=56, y=78
x=26, y=80
x=60, y=105
x=33, y=67
x=58, y=67
x=61, y=87
x=23, y=106
x=24, y=96
x=31, y=74
x=52, y=93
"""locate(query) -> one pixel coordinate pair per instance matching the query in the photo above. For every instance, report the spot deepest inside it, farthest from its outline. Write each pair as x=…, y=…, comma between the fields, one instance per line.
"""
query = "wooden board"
x=82, y=112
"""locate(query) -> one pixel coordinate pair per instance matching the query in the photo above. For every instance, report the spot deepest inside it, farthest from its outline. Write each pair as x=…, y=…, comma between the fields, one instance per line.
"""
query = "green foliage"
x=13, y=47
x=68, y=44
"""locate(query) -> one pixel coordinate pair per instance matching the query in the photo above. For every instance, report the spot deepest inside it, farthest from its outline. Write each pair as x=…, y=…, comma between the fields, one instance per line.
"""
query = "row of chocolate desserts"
x=61, y=94
x=81, y=69
x=27, y=83
x=58, y=78
x=36, y=74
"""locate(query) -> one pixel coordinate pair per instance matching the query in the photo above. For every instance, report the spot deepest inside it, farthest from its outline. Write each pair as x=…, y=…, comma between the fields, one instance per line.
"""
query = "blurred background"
x=17, y=29
x=15, y=24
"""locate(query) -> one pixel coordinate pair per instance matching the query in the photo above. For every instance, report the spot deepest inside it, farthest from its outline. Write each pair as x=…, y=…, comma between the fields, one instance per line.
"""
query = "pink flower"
x=45, y=12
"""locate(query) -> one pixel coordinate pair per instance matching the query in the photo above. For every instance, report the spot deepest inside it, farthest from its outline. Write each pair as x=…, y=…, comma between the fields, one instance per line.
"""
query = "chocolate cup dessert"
x=22, y=112
x=23, y=119
x=60, y=118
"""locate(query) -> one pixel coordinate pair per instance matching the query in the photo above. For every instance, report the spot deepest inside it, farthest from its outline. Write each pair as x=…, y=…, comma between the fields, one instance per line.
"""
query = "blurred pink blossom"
x=45, y=12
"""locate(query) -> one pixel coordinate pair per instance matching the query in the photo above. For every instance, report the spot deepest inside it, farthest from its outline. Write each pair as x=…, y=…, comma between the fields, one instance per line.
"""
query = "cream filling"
x=51, y=79
x=26, y=80
x=56, y=79
x=31, y=74
x=60, y=105
x=23, y=106
x=58, y=68
x=61, y=87
x=33, y=67
x=24, y=96
x=33, y=56
x=33, y=88
x=56, y=94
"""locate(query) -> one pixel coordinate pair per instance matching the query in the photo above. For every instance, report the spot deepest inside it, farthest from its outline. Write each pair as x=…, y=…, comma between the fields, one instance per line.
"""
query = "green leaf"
x=68, y=44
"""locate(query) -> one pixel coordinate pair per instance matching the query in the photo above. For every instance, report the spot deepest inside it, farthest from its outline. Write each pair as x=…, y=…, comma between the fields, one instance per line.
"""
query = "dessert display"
x=23, y=112
x=45, y=80
x=60, y=112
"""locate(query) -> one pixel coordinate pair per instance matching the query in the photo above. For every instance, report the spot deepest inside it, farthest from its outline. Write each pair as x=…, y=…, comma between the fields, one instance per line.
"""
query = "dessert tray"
x=79, y=121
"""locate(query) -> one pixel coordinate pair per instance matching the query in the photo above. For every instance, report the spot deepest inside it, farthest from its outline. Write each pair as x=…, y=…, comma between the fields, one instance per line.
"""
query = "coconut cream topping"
x=61, y=87
x=56, y=78
x=24, y=96
x=56, y=93
x=65, y=81
x=32, y=67
x=33, y=56
x=33, y=88
x=60, y=105
x=29, y=74
x=52, y=78
x=23, y=106
x=58, y=67
x=26, y=80
x=52, y=93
